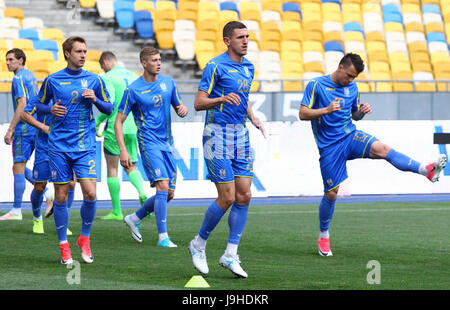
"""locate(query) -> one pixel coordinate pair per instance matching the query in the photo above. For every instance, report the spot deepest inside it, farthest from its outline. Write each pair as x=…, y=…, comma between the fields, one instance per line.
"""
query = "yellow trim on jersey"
x=45, y=92
x=311, y=101
x=105, y=98
x=126, y=100
x=212, y=80
x=178, y=96
x=366, y=147
x=337, y=185
x=224, y=182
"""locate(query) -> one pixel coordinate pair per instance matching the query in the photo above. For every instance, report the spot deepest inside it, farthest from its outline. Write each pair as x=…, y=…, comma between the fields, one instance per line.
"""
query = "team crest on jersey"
x=330, y=182
x=84, y=83
x=163, y=86
x=222, y=173
x=346, y=91
x=247, y=73
x=158, y=172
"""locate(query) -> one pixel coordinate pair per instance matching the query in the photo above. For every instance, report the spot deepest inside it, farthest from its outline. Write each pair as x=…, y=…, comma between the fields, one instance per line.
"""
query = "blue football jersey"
x=75, y=131
x=319, y=93
x=45, y=118
x=24, y=84
x=150, y=104
x=222, y=76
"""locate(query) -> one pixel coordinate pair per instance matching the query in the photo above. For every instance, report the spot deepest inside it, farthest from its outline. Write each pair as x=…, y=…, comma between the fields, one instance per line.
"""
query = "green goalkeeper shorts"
x=111, y=148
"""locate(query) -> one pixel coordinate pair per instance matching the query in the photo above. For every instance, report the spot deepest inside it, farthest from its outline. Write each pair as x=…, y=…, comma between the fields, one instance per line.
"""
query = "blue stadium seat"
x=389, y=8
x=430, y=8
x=144, y=24
x=28, y=33
x=332, y=1
x=333, y=46
x=49, y=45
x=353, y=26
x=231, y=6
x=124, y=13
x=436, y=36
x=392, y=17
x=291, y=7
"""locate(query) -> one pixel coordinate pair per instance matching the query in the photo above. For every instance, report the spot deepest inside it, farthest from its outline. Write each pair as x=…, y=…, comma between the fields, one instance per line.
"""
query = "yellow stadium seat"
x=328, y=7
x=314, y=67
x=411, y=8
x=332, y=17
x=373, y=46
x=398, y=57
x=363, y=87
x=378, y=56
x=425, y=87
x=270, y=46
x=333, y=36
x=220, y=47
x=270, y=35
x=292, y=86
x=434, y=27
x=144, y=6
x=188, y=5
x=12, y=12
x=208, y=20
x=291, y=66
x=187, y=14
x=40, y=55
x=393, y=26
x=439, y=56
x=351, y=7
x=3, y=66
x=381, y=86
x=379, y=66
x=312, y=17
x=163, y=25
x=250, y=11
x=374, y=36
x=419, y=56
x=417, y=47
x=53, y=34
x=308, y=7
x=92, y=66
x=430, y=2
x=414, y=27
x=165, y=39
x=442, y=86
x=422, y=67
x=290, y=15
x=38, y=67
x=312, y=35
x=93, y=55
x=313, y=46
x=204, y=52
x=226, y=16
x=397, y=67
x=353, y=36
x=352, y=17
x=291, y=46
x=272, y=6
x=57, y=65
x=87, y=4
x=371, y=7
x=24, y=44
x=209, y=35
x=291, y=30
x=5, y=86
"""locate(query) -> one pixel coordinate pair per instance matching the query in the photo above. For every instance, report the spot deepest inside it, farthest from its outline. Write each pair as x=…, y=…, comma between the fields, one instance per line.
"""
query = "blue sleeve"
x=18, y=87
x=45, y=93
x=31, y=105
x=176, y=98
x=209, y=77
x=103, y=103
x=356, y=103
x=127, y=102
x=309, y=94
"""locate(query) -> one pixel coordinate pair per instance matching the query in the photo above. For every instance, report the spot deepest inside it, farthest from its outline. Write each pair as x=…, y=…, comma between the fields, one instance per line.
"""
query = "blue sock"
x=61, y=217
x=402, y=162
x=87, y=212
x=70, y=195
x=161, y=211
x=36, y=203
x=236, y=221
x=29, y=175
x=212, y=217
x=147, y=208
x=326, y=210
x=19, y=189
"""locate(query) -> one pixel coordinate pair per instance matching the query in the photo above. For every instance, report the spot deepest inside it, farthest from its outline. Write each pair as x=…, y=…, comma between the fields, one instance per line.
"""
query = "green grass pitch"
x=278, y=250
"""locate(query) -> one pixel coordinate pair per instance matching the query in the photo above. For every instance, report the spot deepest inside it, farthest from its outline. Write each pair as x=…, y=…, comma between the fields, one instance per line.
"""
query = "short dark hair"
x=18, y=53
x=68, y=44
x=228, y=29
x=352, y=59
x=107, y=55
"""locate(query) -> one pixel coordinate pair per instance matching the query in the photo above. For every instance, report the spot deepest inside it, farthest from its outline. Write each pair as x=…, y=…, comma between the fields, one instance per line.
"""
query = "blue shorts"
x=333, y=159
x=225, y=162
x=64, y=165
x=22, y=148
x=159, y=165
x=41, y=171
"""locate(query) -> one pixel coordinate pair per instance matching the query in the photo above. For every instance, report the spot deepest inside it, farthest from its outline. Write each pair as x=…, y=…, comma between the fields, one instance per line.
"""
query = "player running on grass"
x=150, y=98
x=117, y=80
x=330, y=102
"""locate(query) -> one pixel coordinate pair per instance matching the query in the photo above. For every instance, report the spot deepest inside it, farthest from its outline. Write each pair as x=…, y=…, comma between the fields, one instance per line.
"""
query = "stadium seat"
x=353, y=26
x=291, y=11
x=88, y=7
x=250, y=11
x=144, y=24
x=436, y=36
x=93, y=55
x=144, y=5
x=204, y=52
x=24, y=44
x=292, y=86
x=49, y=45
x=226, y=16
x=184, y=44
x=165, y=10
x=332, y=59
x=229, y=6
x=379, y=66
x=53, y=34
x=420, y=82
x=272, y=5
x=333, y=46
x=6, y=77
x=124, y=13
x=39, y=68
x=31, y=34
x=16, y=13
x=105, y=10
x=41, y=55
x=33, y=23
x=92, y=66
x=11, y=23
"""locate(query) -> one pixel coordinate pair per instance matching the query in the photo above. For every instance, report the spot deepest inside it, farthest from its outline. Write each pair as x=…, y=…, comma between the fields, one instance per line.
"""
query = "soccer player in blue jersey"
x=331, y=102
x=150, y=98
x=71, y=140
x=22, y=136
x=41, y=169
x=223, y=92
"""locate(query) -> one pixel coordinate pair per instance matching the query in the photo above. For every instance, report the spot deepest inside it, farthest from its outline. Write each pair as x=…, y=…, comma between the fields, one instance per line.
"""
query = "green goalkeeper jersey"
x=117, y=80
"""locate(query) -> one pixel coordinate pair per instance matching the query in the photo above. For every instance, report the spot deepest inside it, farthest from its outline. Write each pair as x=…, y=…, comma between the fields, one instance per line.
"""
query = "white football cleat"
x=198, y=257
x=134, y=228
x=434, y=169
x=232, y=263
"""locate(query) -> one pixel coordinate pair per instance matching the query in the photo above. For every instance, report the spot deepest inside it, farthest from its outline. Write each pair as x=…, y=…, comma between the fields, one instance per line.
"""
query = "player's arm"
x=176, y=102
x=256, y=122
x=100, y=97
x=29, y=119
x=124, y=109
x=360, y=110
x=21, y=103
x=307, y=111
x=203, y=102
x=102, y=116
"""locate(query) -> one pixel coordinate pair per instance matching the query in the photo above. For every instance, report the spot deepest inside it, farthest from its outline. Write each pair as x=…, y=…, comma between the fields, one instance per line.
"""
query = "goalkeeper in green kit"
x=117, y=80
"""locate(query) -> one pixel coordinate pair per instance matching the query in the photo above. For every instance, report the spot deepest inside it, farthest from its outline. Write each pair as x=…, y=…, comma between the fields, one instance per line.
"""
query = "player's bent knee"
x=171, y=195
x=244, y=198
x=39, y=187
x=332, y=194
